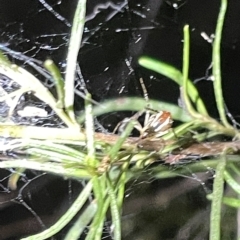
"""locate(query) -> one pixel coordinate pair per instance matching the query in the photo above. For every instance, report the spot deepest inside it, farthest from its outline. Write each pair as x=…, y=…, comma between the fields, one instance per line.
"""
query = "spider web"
x=116, y=33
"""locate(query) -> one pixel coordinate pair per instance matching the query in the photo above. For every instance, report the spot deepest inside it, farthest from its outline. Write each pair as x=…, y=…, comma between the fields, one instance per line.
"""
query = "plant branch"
x=73, y=49
x=216, y=60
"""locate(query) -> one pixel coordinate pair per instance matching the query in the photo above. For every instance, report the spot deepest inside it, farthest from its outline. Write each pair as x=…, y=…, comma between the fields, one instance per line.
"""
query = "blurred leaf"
x=138, y=104
x=232, y=202
x=82, y=221
x=230, y=180
x=174, y=74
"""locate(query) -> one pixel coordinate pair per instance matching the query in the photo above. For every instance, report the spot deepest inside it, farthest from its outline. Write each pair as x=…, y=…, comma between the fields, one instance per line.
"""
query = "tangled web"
x=116, y=33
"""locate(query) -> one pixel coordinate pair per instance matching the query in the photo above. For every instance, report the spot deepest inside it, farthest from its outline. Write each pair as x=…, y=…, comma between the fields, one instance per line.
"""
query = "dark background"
x=113, y=40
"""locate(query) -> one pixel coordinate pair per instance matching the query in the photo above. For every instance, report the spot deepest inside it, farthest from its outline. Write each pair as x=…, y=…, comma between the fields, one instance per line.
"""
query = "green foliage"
x=104, y=160
x=190, y=95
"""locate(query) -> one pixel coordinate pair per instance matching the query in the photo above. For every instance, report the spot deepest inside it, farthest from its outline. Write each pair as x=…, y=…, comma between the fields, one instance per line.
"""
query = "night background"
x=116, y=34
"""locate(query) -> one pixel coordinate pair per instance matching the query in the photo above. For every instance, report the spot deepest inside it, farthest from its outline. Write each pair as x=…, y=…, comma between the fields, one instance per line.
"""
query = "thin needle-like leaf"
x=67, y=217
x=230, y=180
x=174, y=74
x=217, y=195
x=216, y=60
x=81, y=223
x=116, y=219
x=138, y=104
x=73, y=48
x=186, y=92
x=59, y=82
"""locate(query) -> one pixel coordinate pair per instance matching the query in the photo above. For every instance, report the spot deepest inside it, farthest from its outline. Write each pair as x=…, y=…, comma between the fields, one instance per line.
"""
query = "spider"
x=155, y=124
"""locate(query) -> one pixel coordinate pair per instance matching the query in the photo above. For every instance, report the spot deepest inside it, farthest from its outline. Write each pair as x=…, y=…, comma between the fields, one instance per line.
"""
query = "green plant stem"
x=216, y=59
x=186, y=47
x=98, y=182
x=67, y=217
x=213, y=125
x=122, y=179
x=54, y=156
x=57, y=135
x=118, y=145
x=91, y=161
x=45, y=145
x=234, y=168
x=74, y=46
x=115, y=212
x=231, y=182
x=232, y=202
x=174, y=74
x=33, y=132
x=54, y=168
x=181, y=130
x=137, y=104
x=58, y=80
x=82, y=221
x=217, y=196
x=96, y=228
